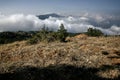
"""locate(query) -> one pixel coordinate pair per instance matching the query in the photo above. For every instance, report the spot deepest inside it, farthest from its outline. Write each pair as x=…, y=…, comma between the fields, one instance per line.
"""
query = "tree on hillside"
x=62, y=33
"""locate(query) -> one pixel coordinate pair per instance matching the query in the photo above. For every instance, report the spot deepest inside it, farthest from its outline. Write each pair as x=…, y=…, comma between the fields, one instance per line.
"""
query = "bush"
x=49, y=36
x=33, y=40
x=94, y=32
x=9, y=37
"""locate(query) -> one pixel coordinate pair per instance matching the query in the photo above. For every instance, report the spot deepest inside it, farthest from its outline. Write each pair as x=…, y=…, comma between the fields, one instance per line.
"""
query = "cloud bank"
x=21, y=22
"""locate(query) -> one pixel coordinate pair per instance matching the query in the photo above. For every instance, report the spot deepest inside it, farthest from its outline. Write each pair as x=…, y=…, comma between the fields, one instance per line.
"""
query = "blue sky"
x=58, y=6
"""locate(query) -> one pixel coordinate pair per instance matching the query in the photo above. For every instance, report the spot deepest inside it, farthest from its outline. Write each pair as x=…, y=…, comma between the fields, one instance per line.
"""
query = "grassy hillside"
x=82, y=58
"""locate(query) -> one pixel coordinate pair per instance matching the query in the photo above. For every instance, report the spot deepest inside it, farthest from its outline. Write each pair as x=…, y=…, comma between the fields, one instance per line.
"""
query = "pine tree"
x=62, y=33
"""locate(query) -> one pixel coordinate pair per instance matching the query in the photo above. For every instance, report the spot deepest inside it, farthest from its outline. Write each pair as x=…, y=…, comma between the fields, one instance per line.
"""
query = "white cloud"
x=30, y=22
x=84, y=18
x=115, y=29
x=99, y=18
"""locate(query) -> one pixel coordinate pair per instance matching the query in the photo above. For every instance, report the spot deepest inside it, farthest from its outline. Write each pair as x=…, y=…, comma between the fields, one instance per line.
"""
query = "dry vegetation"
x=82, y=58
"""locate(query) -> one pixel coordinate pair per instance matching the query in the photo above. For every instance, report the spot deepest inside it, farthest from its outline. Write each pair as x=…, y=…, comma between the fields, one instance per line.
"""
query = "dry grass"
x=85, y=51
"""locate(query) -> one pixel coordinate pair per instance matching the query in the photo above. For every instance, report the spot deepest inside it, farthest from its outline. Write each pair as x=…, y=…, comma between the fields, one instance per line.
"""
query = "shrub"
x=49, y=36
x=94, y=32
x=9, y=37
x=33, y=40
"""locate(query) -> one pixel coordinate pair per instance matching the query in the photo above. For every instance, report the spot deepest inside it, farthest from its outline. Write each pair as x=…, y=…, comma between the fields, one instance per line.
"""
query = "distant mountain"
x=48, y=15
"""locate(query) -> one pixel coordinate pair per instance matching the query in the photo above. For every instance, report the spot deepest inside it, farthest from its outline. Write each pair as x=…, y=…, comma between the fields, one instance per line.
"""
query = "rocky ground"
x=82, y=58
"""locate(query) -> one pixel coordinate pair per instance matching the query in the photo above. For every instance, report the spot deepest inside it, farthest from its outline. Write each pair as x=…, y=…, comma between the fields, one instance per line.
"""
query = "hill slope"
x=85, y=58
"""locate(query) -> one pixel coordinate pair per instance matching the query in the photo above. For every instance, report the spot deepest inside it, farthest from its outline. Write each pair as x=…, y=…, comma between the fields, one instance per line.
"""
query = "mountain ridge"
x=45, y=16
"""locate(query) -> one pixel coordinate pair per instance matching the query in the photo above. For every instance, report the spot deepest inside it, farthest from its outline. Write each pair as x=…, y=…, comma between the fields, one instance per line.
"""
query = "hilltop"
x=82, y=58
